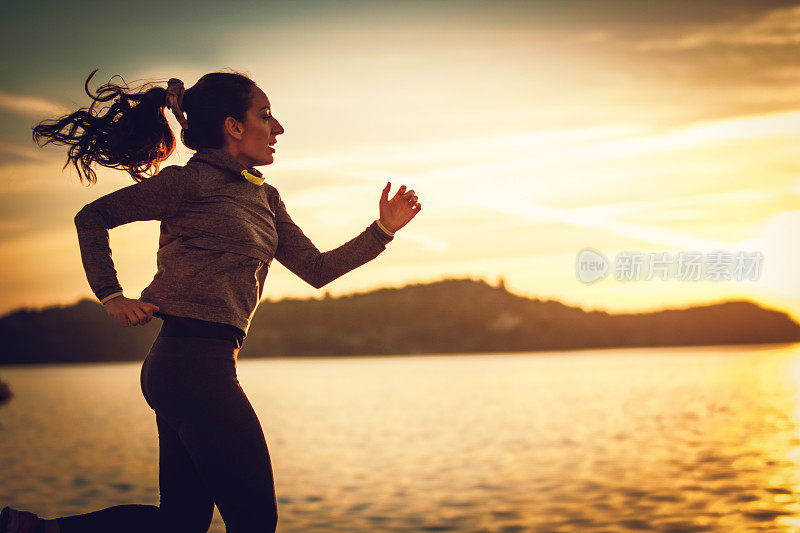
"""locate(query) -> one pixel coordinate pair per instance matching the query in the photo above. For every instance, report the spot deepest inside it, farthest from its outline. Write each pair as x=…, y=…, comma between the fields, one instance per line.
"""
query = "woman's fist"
x=130, y=312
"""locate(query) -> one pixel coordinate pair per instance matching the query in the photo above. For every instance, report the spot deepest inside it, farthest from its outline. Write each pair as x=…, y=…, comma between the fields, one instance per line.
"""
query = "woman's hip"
x=188, y=374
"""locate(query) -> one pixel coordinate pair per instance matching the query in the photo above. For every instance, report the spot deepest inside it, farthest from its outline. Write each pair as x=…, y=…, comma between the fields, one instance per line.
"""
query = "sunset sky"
x=529, y=130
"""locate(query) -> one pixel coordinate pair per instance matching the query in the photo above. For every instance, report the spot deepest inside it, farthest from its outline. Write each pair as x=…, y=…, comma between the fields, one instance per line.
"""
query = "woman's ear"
x=234, y=128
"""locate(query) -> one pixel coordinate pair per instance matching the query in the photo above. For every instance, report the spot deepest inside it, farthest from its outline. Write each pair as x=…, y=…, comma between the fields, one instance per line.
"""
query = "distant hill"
x=448, y=316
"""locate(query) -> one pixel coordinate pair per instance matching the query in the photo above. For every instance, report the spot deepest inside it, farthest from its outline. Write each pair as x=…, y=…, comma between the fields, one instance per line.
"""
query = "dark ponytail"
x=135, y=137
x=134, y=134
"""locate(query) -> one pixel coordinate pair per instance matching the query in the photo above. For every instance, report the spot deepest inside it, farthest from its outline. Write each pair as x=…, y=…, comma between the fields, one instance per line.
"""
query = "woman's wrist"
x=110, y=297
x=384, y=228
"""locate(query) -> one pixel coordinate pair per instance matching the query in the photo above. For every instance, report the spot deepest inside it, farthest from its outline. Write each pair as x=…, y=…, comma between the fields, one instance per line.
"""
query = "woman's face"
x=260, y=129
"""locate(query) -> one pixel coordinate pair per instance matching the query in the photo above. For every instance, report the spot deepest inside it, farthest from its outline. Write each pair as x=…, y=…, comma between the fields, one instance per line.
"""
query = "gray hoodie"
x=219, y=234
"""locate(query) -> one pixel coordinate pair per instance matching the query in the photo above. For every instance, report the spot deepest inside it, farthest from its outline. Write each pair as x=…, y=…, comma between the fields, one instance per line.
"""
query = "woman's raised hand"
x=130, y=312
x=398, y=211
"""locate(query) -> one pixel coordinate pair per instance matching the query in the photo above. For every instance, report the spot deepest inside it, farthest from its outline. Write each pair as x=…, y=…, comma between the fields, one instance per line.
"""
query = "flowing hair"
x=134, y=134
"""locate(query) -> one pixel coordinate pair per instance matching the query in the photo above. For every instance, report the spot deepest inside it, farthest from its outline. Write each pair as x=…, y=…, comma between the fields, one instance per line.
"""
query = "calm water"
x=666, y=439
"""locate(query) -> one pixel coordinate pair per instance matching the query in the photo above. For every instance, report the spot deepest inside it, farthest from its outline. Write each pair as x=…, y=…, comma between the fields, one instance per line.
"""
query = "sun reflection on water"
x=669, y=439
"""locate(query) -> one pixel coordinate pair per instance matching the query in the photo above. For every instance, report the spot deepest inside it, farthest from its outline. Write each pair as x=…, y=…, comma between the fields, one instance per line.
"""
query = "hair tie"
x=175, y=100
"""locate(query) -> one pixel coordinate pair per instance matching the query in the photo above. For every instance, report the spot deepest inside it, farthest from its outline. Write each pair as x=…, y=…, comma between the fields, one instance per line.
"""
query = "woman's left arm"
x=297, y=253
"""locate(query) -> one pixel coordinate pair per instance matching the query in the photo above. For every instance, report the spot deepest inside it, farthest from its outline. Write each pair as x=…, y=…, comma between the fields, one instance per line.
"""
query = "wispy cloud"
x=23, y=152
x=535, y=150
x=527, y=175
x=438, y=152
x=23, y=176
x=704, y=132
x=780, y=27
x=700, y=201
x=611, y=216
x=14, y=225
x=32, y=106
x=588, y=220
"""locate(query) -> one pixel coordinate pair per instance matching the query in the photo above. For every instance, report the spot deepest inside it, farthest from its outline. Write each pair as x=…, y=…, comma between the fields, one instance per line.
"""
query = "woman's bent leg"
x=191, y=383
x=228, y=447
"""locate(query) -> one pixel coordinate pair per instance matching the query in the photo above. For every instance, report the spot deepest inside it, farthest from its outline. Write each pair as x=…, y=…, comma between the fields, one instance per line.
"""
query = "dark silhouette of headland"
x=447, y=316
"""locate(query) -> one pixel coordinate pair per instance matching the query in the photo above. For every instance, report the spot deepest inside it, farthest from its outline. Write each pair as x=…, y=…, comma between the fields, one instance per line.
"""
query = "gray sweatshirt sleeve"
x=155, y=198
x=296, y=252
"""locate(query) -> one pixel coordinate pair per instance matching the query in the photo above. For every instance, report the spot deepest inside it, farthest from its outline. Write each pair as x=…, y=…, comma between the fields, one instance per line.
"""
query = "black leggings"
x=211, y=446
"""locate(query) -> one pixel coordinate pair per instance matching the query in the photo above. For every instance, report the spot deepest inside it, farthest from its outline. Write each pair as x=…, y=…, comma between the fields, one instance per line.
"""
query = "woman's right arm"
x=155, y=198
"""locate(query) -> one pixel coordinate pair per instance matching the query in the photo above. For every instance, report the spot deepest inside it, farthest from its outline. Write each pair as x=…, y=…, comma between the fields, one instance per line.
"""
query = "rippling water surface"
x=661, y=439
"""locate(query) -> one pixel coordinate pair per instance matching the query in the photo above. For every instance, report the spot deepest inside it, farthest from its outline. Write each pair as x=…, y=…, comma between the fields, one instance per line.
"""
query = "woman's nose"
x=277, y=129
